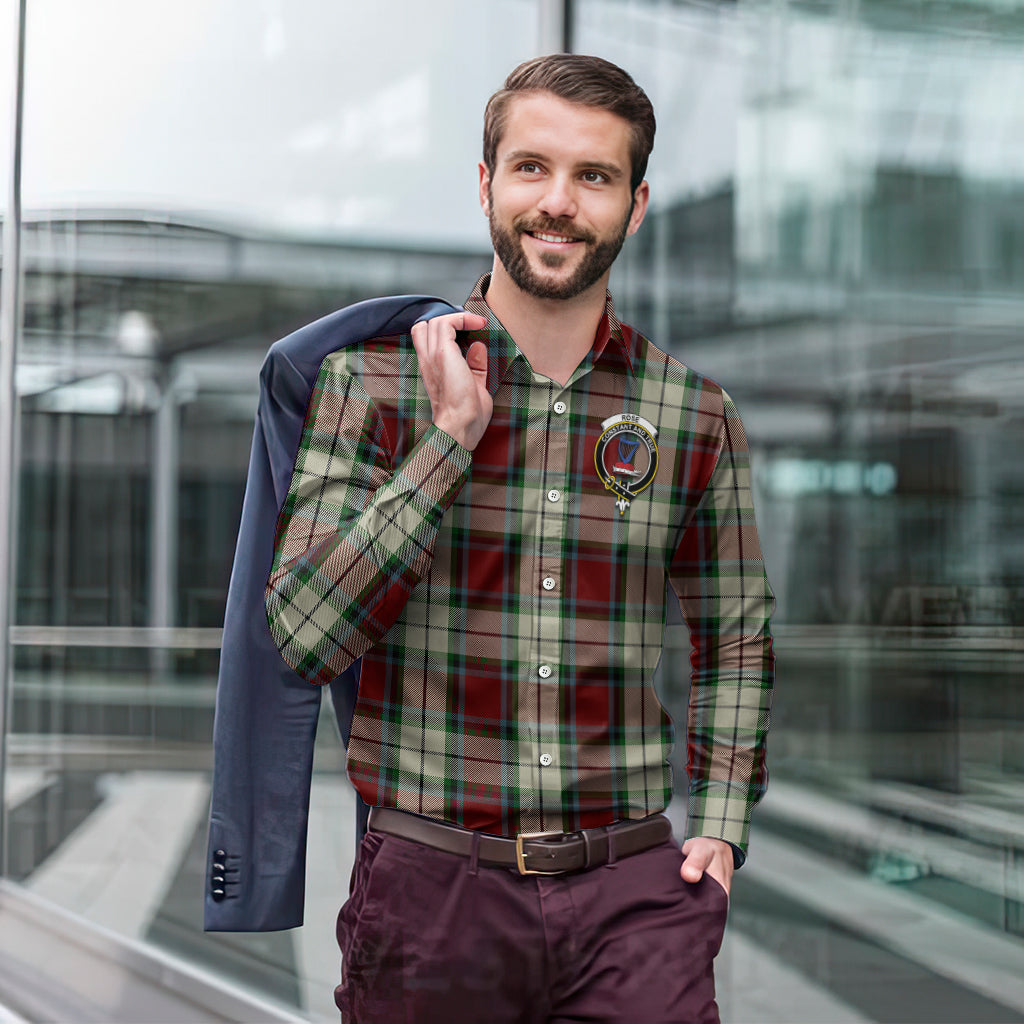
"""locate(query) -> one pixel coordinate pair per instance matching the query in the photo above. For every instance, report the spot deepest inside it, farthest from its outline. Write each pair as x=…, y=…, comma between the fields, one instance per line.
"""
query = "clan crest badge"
x=626, y=456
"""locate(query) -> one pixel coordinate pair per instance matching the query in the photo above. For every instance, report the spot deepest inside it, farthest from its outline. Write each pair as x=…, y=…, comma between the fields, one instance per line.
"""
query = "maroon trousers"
x=430, y=937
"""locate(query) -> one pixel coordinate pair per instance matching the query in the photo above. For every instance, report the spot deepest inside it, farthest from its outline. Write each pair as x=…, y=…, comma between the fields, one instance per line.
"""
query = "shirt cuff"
x=720, y=817
x=434, y=470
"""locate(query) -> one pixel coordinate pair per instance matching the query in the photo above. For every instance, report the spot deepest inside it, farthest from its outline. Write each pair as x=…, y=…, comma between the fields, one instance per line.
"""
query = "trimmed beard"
x=509, y=250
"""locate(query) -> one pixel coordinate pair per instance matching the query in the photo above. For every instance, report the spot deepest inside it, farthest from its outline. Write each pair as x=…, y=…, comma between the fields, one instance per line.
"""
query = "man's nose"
x=559, y=199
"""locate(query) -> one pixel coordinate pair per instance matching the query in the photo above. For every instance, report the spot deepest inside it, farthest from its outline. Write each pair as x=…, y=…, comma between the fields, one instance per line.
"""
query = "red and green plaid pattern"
x=509, y=618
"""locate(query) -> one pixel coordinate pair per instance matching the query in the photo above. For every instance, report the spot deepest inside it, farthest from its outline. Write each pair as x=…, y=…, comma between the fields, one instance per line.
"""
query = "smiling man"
x=493, y=518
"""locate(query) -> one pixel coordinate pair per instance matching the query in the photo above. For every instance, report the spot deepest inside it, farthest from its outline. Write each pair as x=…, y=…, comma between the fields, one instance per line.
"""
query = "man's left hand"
x=714, y=856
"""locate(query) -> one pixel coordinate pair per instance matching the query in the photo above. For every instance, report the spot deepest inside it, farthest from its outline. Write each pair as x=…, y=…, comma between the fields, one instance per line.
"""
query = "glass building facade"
x=836, y=234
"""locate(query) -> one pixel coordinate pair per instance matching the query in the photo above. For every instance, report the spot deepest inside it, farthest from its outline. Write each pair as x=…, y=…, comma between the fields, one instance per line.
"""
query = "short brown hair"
x=575, y=77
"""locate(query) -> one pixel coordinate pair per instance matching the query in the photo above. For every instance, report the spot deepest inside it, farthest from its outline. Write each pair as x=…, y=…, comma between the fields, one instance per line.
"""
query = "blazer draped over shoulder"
x=266, y=715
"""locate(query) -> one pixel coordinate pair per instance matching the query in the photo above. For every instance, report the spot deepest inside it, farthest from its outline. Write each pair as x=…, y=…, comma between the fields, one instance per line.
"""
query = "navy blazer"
x=266, y=714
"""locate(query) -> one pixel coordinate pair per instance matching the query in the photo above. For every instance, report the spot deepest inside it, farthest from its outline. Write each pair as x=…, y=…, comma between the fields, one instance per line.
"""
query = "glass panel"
x=8, y=56
x=200, y=179
x=348, y=120
x=8, y=27
x=836, y=235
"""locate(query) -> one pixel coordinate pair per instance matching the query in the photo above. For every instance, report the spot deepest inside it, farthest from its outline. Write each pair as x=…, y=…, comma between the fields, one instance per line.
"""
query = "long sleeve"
x=356, y=533
x=718, y=575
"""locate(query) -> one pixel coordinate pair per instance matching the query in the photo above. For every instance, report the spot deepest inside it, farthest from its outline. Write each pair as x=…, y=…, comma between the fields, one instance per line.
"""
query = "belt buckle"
x=521, y=856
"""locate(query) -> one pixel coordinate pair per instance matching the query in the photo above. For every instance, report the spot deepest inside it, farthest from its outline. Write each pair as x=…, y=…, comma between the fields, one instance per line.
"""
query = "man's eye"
x=593, y=177
x=528, y=168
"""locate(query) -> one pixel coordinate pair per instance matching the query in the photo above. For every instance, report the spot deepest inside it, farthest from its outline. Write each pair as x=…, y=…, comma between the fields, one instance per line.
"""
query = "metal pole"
x=10, y=319
x=553, y=23
x=163, y=548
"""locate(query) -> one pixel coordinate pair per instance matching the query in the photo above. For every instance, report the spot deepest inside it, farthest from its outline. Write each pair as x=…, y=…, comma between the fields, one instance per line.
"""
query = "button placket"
x=547, y=631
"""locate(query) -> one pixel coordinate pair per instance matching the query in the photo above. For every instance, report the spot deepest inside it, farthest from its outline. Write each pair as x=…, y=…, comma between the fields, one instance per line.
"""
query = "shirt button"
x=554, y=495
x=545, y=759
x=544, y=671
x=559, y=407
x=548, y=584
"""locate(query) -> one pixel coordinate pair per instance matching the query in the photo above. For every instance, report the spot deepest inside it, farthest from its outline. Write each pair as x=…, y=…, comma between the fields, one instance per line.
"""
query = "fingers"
x=457, y=387
x=448, y=324
x=695, y=864
x=477, y=357
x=431, y=337
x=703, y=853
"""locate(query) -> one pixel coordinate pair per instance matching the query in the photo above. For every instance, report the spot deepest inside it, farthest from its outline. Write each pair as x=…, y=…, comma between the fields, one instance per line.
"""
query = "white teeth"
x=551, y=238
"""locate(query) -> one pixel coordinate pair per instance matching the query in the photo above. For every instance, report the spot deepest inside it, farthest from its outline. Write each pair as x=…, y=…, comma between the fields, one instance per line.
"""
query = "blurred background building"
x=836, y=235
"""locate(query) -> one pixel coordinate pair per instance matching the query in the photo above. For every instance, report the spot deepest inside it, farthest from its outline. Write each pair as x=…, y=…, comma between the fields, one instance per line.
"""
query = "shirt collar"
x=609, y=341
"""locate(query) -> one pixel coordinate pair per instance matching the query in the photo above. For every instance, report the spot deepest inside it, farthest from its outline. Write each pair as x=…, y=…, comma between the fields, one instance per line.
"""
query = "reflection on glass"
x=8, y=25
x=836, y=236
x=200, y=179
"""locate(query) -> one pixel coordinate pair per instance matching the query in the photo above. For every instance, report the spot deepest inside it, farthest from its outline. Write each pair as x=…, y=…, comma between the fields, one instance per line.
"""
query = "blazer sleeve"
x=262, y=767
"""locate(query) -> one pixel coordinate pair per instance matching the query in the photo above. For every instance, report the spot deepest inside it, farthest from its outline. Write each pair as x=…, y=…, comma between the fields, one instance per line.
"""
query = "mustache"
x=553, y=227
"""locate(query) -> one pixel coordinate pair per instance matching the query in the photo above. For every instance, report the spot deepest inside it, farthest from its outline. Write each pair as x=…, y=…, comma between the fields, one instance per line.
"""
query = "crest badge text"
x=626, y=456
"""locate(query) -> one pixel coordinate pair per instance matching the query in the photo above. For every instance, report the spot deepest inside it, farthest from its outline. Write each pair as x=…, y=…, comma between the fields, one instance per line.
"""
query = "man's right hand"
x=457, y=386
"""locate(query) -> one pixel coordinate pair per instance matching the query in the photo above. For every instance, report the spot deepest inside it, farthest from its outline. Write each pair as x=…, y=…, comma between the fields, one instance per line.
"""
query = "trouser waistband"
x=531, y=853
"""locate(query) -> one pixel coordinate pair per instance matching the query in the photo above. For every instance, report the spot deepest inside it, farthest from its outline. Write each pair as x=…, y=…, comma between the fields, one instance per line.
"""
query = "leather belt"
x=531, y=853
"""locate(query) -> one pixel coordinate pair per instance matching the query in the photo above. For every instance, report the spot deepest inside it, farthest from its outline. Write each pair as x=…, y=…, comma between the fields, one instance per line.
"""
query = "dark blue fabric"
x=266, y=714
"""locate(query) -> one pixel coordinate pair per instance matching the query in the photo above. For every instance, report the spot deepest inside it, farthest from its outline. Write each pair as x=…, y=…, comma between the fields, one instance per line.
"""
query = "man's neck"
x=555, y=335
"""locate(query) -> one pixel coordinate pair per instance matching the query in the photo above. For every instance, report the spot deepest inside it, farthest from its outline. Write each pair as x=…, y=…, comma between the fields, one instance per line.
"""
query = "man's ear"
x=641, y=197
x=485, y=183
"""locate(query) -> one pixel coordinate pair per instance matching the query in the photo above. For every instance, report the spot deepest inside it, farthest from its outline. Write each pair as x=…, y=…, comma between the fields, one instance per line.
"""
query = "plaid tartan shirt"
x=508, y=615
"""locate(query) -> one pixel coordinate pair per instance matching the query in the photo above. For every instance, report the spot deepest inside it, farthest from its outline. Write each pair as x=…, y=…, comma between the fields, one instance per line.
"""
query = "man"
x=488, y=517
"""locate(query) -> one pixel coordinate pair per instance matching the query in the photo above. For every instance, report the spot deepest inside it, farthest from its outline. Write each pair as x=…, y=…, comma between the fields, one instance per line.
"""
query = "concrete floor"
x=811, y=940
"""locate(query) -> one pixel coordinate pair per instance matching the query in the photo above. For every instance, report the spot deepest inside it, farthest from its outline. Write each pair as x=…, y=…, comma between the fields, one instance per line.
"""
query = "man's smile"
x=546, y=237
